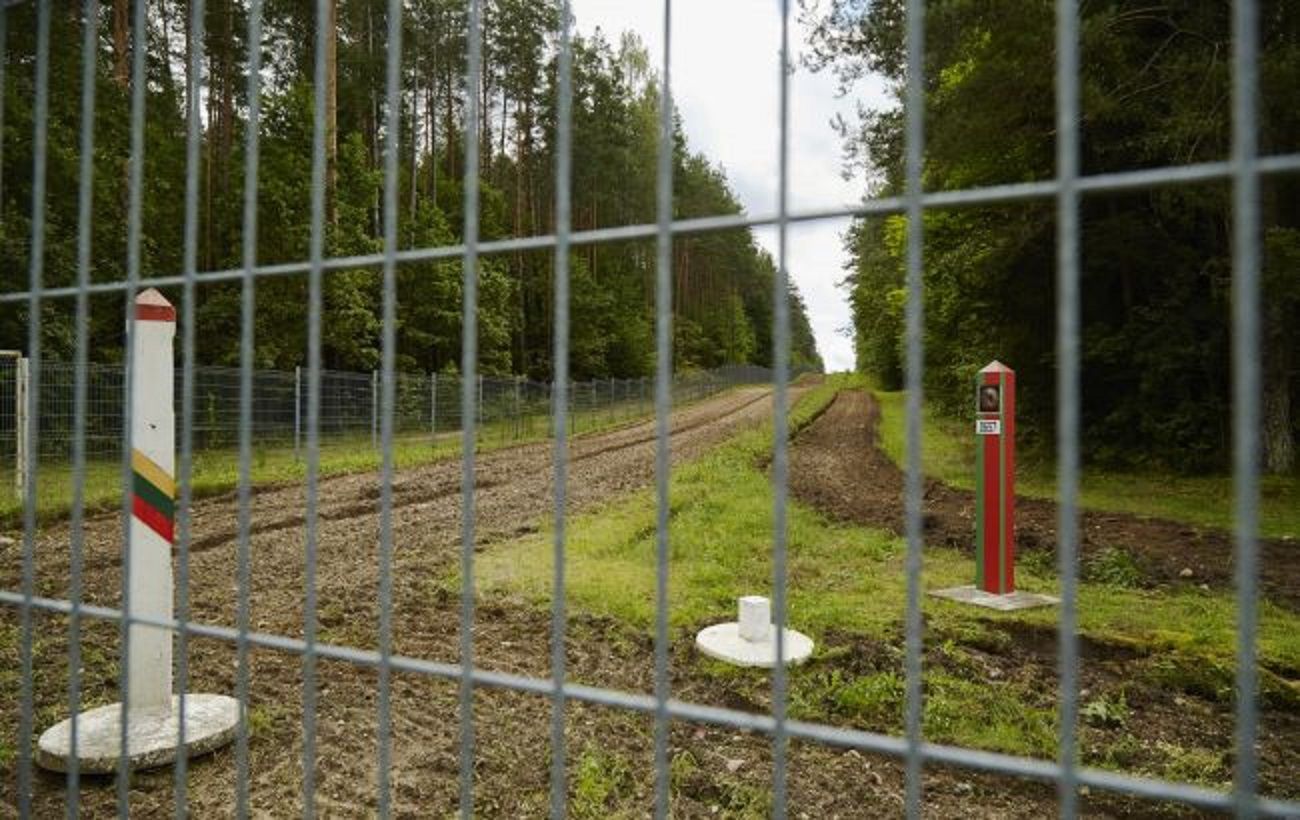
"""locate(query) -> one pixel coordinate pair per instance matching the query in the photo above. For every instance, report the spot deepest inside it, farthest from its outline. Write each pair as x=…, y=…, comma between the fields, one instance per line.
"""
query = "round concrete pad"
x=210, y=723
x=723, y=642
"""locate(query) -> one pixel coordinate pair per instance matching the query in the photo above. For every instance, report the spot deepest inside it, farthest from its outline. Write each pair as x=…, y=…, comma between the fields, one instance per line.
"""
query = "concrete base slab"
x=1003, y=603
x=210, y=723
x=723, y=641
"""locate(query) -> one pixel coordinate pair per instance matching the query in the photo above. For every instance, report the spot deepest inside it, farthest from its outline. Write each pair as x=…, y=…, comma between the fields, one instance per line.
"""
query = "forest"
x=1156, y=264
x=723, y=283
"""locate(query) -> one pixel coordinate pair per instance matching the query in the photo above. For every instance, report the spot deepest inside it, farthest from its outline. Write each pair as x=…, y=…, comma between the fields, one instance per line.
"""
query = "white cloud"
x=725, y=82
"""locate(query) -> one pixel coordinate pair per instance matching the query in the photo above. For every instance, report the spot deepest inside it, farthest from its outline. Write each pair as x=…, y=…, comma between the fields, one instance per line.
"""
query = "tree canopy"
x=1156, y=267
x=723, y=282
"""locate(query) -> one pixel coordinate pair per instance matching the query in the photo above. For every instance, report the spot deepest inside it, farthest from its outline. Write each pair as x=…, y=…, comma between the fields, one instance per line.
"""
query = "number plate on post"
x=988, y=427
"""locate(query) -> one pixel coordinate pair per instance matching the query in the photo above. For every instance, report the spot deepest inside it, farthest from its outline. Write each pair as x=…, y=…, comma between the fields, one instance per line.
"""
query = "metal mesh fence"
x=323, y=390
x=424, y=404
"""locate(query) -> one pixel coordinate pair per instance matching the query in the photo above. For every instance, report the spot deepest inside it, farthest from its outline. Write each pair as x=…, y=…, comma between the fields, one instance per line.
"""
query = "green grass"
x=850, y=581
x=216, y=470
x=948, y=454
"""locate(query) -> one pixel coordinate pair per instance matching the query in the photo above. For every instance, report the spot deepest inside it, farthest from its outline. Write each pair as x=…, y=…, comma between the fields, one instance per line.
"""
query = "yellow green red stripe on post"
x=153, y=495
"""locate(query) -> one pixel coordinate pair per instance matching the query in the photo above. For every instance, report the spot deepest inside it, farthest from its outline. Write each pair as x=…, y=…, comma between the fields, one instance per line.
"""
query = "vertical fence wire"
x=40, y=116
x=1245, y=390
x=663, y=406
x=76, y=546
x=135, y=197
x=185, y=467
x=1067, y=391
x=468, y=406
x=248, y=308
x=387, y=398
x=780, y=426
x=314, y=304
x=914, y=111
x=560, y=397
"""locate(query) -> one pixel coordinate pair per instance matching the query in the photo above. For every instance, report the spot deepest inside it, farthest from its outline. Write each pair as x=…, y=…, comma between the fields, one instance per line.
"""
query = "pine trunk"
x=121, y=36
x=331, y=111
x=1277, y=437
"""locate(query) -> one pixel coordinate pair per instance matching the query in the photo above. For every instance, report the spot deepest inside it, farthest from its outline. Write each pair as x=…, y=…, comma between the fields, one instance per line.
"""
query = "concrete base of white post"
x=751, y=641
x=1008, y=602
x=153, y=735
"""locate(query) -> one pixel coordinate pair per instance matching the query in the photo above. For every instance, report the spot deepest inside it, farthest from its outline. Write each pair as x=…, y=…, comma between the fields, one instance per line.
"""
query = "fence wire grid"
x=425, y=405
x=1243, y=169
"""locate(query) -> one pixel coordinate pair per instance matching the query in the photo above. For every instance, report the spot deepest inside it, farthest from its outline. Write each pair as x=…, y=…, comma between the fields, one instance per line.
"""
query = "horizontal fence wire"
x=890, y=745
x=76, y=411
x=1109, y=182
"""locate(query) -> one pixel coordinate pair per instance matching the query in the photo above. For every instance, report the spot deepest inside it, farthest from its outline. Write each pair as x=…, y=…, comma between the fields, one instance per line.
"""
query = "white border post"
x=153, y=467
x=152, y=713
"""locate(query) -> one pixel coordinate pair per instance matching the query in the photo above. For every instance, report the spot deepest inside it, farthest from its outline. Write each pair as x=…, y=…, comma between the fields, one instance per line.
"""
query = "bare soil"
x=717, y=772
x=837, y=467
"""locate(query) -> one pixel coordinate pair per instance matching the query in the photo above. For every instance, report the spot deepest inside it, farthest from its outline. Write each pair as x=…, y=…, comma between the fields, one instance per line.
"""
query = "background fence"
x=425, y=404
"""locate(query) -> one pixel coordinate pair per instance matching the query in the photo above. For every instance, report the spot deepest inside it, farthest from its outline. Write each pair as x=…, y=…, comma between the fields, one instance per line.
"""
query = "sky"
x=725, y=83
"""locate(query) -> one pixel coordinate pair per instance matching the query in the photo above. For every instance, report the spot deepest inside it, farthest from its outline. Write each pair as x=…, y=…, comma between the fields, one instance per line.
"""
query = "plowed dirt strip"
x=513, y=494
x=836, y=467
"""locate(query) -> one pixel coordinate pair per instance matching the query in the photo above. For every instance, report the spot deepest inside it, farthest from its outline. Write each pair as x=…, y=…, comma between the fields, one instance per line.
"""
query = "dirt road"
x=514, y=494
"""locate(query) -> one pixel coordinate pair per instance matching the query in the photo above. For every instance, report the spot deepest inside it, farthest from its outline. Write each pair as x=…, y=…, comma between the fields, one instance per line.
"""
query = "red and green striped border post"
x=995, y=479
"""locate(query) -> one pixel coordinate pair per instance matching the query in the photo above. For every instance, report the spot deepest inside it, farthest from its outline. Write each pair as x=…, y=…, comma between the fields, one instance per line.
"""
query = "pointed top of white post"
x=996, y=366
x=152, y=306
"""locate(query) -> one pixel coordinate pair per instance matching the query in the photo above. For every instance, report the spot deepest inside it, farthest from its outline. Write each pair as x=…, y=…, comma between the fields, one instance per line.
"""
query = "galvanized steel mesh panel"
x=253, y=406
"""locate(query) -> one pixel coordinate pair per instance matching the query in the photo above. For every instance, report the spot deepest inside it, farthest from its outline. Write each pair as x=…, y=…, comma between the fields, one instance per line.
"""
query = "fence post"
x=518, y=418
x=374, y=409
x=21, y=428
x=297, y=412
x=480, y=400
x=433, y=409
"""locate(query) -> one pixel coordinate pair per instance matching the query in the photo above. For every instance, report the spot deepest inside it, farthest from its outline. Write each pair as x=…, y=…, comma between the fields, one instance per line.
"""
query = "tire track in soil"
x=837, y=467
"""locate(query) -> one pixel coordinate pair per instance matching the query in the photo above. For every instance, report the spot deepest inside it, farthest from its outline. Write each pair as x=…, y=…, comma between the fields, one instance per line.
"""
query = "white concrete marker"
x=152, y=711
x=751, y=641
x=755, y=618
